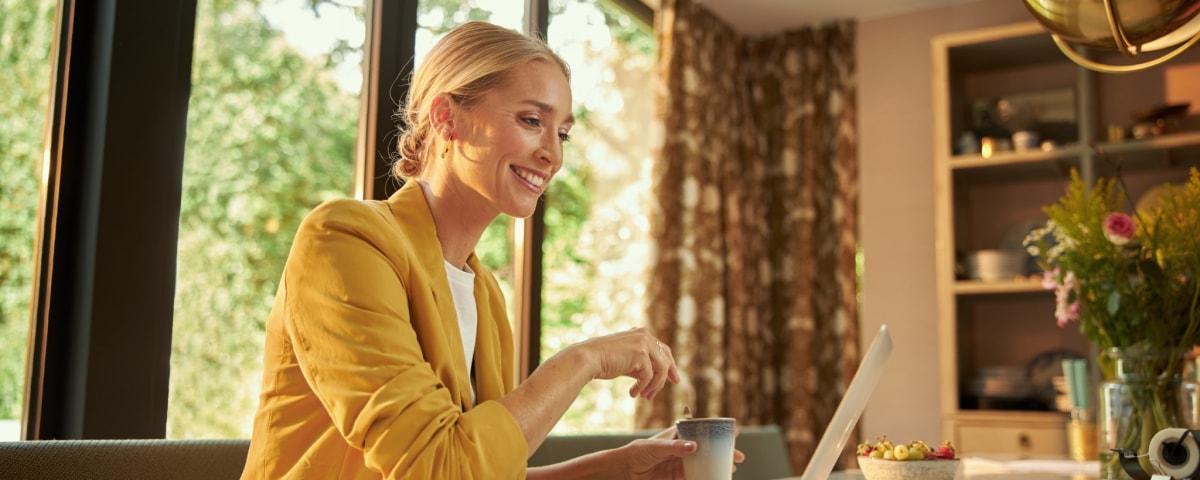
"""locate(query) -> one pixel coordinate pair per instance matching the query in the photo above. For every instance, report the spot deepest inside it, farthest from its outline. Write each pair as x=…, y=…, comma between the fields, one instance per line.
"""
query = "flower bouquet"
x=1129, y=278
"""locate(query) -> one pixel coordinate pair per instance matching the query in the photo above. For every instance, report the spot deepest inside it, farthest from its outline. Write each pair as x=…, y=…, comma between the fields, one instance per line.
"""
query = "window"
x=28, y=33
x=597, y=241
x=272, y=122
x=271, y=132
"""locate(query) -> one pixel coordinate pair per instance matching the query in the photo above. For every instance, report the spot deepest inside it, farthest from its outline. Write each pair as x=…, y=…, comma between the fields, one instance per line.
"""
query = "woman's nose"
x=551, y=153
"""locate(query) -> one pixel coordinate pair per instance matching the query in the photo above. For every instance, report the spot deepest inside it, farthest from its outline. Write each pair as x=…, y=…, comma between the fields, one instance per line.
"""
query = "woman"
x=388, y=352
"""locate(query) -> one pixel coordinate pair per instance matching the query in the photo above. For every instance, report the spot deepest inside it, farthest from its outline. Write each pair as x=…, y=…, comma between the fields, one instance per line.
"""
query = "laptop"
x=838, y=432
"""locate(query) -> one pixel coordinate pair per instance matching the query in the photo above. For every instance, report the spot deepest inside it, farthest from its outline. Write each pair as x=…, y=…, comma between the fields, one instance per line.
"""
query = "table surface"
x=1002, y=469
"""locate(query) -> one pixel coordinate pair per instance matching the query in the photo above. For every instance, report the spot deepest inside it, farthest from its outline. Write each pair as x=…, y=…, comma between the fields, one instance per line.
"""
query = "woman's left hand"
x=660, y=457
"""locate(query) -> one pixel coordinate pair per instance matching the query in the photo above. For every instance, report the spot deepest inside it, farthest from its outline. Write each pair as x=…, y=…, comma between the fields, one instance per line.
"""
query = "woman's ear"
x=441, y=115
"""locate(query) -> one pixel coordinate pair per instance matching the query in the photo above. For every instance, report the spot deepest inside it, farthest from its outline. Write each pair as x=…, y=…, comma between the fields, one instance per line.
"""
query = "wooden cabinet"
x=1011, y=434
x=980, y=201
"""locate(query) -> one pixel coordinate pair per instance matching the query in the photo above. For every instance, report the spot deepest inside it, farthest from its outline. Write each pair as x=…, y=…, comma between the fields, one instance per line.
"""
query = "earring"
x=446, y=145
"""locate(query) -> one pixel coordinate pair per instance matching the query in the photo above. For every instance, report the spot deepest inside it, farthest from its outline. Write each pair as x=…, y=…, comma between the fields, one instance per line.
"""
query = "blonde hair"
x=468, y=62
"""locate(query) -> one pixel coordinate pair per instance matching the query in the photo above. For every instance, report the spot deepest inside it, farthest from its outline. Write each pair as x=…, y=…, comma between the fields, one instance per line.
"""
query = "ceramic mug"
x=714, y=437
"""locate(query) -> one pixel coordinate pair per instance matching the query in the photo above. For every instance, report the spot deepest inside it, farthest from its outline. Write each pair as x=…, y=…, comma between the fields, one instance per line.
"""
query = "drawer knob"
x=1026, y=444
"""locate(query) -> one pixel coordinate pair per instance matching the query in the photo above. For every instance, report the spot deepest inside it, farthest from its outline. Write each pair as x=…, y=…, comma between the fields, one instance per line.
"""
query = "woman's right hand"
x=633, y=353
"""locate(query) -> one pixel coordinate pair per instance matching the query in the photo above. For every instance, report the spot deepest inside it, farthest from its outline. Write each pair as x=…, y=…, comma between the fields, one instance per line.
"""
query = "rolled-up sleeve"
x=349, y=321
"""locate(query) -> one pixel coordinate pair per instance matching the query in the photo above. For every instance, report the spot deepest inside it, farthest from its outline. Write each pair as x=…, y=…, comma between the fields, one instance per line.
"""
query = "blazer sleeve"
x=348, y=319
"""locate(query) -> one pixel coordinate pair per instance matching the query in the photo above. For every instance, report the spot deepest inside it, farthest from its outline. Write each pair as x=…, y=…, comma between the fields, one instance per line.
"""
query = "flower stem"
x=1193, y=322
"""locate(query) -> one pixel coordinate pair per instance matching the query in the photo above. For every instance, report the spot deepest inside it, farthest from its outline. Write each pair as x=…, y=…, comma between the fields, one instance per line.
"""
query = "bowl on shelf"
x=880, y=469
x=995, y=265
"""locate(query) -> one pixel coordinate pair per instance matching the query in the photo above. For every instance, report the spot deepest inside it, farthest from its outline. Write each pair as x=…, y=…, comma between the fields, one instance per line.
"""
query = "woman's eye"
x=564, y=137
x=532, y=121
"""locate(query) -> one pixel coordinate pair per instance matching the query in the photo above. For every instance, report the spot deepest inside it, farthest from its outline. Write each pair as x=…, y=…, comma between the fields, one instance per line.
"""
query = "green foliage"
x=1140, y=291
x=269, y=137
x=596, y=245
x=568, y=203
x=26, y=35
x=447, y=14
x=628, y=31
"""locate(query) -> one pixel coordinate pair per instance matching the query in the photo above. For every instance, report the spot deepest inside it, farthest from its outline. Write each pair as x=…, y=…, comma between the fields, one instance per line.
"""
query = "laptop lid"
x=846, y=416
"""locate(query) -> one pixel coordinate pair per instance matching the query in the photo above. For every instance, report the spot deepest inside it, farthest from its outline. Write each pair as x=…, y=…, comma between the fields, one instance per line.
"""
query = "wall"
x=895, y=100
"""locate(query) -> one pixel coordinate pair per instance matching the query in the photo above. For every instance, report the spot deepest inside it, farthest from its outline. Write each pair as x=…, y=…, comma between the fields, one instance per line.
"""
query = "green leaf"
x=1114, y=302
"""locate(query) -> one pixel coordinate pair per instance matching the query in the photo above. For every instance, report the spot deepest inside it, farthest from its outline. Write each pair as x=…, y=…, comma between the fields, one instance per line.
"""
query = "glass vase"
x=1144, y=392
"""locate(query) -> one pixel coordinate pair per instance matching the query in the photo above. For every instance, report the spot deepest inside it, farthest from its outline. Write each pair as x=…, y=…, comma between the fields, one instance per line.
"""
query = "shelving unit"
x=1014, y=158
x=977, y=287
x=981, y=200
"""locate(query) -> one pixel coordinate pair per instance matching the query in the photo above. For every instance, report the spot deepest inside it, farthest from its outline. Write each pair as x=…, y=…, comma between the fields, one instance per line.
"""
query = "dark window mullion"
x=528, y=258
x=387, y=69
x=100, y=343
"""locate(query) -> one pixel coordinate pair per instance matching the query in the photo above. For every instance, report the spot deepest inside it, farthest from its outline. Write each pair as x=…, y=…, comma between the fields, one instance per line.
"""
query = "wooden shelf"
x=1016, y=285
x=1165, y=142
x=1011, y=186
x=1015, y=158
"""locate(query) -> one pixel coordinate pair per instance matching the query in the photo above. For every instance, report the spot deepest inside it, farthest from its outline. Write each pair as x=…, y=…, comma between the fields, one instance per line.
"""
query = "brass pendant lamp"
x=1132, y=27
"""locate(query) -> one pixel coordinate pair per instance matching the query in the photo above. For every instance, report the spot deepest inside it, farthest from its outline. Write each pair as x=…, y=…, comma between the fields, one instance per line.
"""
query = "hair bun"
x=412, y=145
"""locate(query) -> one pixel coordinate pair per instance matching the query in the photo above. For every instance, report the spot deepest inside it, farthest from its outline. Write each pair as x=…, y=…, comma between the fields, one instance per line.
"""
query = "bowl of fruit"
x=884, y=460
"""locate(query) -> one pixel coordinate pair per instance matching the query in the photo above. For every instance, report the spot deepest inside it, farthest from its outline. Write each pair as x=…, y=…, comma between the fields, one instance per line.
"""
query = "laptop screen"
x=846, y=416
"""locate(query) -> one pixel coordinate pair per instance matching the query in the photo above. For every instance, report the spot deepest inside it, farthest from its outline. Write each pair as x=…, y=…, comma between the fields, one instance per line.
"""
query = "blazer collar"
x=411, y=209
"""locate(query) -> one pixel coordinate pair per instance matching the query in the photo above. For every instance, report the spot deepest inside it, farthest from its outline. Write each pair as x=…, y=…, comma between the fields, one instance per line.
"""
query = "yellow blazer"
x=364, y=374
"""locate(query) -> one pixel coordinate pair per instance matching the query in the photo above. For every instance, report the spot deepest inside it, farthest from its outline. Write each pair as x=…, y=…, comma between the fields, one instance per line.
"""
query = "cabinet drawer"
x=1018, y=441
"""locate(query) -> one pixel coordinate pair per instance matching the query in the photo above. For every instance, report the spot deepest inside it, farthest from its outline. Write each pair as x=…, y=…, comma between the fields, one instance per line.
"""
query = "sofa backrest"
x=124, y=459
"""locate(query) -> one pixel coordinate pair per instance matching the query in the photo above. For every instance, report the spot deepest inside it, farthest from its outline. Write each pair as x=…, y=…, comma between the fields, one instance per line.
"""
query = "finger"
x=644, y=373
x=636, y=375
x=662, y=450
x=673, y=373
x=665, y=434
x=738, y=456
x=661, y=365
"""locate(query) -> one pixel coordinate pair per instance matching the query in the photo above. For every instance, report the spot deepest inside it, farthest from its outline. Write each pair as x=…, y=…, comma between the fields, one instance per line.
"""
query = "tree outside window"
x=597, y=244
x=26, y=35
x=272, y=122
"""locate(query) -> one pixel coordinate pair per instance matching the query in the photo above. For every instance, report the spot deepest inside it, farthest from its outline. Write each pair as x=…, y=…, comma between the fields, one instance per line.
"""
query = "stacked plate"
x=994, y=265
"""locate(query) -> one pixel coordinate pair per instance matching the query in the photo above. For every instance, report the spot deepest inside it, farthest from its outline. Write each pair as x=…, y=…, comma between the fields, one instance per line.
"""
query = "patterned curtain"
x=755, y=224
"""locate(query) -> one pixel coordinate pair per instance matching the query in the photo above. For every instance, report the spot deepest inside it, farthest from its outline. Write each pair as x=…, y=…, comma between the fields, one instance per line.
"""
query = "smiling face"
x=509, y=144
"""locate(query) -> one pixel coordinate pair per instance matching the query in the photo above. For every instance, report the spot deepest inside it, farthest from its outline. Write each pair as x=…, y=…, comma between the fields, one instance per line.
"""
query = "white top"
x=462, y=288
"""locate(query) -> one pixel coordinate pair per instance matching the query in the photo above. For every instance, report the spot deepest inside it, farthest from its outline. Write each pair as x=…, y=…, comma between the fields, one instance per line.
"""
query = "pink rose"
x=1119, y=228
